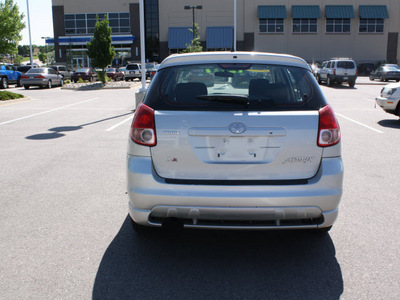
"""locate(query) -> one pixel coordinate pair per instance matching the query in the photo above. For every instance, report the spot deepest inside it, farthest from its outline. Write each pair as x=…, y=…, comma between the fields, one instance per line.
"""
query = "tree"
x=11, y=25
x=17, y=59
x=42, y=57
x=195, y=45
x=23, y=50
x=100, y=49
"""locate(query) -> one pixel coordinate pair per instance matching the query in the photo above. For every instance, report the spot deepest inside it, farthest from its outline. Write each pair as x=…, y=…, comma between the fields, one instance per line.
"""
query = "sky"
x=41, y=20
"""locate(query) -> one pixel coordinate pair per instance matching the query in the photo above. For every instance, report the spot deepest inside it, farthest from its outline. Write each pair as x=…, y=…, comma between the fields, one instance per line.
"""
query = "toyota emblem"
x=237, y=128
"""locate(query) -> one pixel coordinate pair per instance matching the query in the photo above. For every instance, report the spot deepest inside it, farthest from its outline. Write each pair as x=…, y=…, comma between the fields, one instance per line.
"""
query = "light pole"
x=29, y=29
x=193, y=7
x=234, y=25
x=142, y=46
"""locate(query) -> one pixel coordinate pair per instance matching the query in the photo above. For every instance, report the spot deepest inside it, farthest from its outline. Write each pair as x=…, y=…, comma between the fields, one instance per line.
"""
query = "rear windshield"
x=132, y=67
x=345, y=64
x=82, y=70
x=37, y=70
x=390, y=69
x=234, y=87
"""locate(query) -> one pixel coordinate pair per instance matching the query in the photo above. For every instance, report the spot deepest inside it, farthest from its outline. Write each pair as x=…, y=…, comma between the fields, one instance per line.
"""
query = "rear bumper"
x=34, y=82
x=312, y=205
x=344, y=78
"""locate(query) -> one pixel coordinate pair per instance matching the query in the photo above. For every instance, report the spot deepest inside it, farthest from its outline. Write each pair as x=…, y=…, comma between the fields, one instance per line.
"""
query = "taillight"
x=24, y=77
x=329, y=130
x=40, y=76
x=334, y=71
x=143, y=126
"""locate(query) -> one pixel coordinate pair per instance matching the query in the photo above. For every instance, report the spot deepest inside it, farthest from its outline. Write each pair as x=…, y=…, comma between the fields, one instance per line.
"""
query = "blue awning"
x=306, y=12
x=82, y=40
x=374, y=12
x=179, y=37
x=271, y=12
x=339, y=12
x=220, y=37
x=50, y=41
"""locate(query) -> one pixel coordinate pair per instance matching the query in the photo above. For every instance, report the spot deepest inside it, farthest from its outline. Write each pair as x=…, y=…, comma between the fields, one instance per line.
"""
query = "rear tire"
x=4, y=83
x=26, y=87
x=381, y=78
x=398, y=110
x=319, y=79
x=49, y=86
x=371, y=78
x=328, y=81
x=352, y=83
x=19, y=84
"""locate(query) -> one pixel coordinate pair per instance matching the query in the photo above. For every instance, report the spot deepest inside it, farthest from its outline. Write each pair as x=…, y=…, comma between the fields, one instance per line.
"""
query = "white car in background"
x=259, y=148
x=389, y=99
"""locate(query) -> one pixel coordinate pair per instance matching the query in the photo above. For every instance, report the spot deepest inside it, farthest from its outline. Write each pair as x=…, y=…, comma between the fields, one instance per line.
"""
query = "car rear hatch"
x=236, y=145
x=346, y=68
x=247, y=122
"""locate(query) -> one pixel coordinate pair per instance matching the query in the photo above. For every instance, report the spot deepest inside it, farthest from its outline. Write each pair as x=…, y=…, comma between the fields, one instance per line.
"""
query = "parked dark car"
x=385, y=73
x=84, y=73
x=150, y=68
x=115, y=74
x=63, y=70
x=154, y=71
x=365, y=69
x=23, y=69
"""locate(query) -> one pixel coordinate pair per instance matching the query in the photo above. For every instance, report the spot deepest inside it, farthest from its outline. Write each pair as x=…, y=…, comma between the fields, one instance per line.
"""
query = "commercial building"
x=366, y=30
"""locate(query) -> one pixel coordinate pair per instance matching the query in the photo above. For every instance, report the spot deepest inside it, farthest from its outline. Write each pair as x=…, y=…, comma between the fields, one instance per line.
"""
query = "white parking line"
x=47, y=111
x=366, y=126
x=120, y=123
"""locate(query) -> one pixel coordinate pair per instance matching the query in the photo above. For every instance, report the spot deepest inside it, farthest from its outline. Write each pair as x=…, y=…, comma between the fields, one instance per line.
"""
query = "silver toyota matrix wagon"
x=234, y=140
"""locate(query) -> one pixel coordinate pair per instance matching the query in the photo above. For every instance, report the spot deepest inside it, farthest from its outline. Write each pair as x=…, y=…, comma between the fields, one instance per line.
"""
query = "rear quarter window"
x=247, y=87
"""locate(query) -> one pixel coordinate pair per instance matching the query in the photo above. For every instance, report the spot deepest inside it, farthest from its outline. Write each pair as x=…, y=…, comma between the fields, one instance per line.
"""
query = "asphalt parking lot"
x=65, y=232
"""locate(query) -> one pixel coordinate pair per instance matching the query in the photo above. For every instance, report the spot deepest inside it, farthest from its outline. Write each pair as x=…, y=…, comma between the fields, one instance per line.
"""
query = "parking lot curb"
x=94, y=86
x=13, y=101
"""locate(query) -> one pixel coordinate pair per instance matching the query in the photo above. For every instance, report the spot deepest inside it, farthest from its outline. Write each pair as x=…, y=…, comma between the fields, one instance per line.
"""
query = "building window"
x=337, y=25
x=304, y=25
x=85, y=23
x=371, y=25
x=271, y=25
x=152, y=30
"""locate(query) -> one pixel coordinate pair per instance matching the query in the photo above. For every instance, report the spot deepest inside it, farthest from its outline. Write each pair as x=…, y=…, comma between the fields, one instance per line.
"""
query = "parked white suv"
x=338, y=70
x=132, y=71
x=257, y=149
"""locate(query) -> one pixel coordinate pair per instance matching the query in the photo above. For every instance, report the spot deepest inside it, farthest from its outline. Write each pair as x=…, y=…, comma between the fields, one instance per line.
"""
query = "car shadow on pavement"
x=56, y=132
x=390, y=123
x=218, y=265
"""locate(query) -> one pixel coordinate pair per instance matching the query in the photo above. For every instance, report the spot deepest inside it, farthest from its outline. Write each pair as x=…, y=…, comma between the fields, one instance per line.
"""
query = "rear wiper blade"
x=239, y=99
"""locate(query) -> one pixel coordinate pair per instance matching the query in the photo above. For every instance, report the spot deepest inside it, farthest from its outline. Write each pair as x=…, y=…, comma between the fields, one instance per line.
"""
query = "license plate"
x=345, y=78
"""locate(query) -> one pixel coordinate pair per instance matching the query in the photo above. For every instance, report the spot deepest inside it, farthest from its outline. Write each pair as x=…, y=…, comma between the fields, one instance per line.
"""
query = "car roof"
x=233, y=57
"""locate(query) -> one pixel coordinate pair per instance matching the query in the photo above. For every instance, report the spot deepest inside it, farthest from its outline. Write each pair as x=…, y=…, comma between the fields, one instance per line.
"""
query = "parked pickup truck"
x=9, y=75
